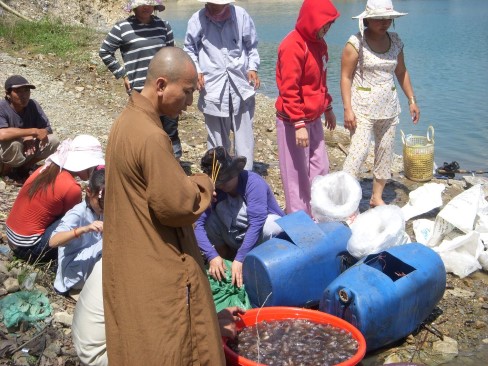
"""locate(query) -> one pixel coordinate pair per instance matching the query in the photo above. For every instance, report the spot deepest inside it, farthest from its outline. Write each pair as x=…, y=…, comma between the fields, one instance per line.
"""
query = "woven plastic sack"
x=225, y=294
x=29, y=306
x=376, y=230
x=335, y=197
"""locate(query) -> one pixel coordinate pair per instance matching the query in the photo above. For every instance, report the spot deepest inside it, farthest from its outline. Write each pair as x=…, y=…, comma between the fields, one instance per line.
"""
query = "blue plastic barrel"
x=295, y=268
x=388, y=295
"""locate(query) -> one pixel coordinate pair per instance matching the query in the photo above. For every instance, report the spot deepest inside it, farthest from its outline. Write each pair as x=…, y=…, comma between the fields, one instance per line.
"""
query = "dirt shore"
x=85, y=98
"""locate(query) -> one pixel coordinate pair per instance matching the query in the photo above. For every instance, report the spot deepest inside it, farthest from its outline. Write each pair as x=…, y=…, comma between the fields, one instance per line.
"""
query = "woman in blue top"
x=79, y=237
x=242, y=216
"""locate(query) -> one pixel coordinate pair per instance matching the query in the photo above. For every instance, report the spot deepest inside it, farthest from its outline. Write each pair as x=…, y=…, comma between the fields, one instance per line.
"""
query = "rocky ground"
x=82, y=97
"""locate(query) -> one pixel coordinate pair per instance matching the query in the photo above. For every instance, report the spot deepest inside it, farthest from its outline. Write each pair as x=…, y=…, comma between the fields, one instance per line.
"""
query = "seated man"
x=242, y=216
x=25, y=133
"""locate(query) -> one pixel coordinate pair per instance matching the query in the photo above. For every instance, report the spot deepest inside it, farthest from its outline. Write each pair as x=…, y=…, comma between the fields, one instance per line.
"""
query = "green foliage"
x=47, y=36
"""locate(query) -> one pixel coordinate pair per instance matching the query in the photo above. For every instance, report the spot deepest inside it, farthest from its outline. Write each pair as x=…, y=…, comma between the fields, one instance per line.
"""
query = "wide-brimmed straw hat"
x=132, y=4
x=219, y=165
x=218, y=2
x=76, y=155
x=379, y=9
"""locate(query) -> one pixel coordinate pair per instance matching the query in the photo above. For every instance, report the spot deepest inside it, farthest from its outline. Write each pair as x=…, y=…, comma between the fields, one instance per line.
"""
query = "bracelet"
x=412, y=100
x=76, y=234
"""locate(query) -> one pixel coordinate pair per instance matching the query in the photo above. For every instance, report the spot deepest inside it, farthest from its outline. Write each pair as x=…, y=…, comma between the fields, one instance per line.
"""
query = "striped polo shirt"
x=138, y=43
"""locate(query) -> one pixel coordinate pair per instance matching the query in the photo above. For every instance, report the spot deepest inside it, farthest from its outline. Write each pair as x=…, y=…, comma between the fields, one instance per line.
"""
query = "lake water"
x=446, y=53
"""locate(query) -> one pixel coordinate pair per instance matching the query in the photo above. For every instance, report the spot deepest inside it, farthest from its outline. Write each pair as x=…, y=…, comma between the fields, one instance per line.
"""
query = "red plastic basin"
x=255, y=316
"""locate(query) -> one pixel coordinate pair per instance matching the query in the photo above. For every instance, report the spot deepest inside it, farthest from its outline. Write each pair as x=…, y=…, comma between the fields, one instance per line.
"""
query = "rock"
x=479, y=324
x=3, y=268
x=53, y=350
x=447, y=346
x=393, y=358
x=63, y=318
x=20, y=359
x=460, y=293
x=11, y=285
x=471, y=181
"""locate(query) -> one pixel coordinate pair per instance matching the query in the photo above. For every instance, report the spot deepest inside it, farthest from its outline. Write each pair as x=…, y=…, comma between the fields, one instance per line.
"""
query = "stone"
x=11, y=285
x=63, y=318
x=478, y=324
x=3, y=267
x=460, y=293
x=447, y=346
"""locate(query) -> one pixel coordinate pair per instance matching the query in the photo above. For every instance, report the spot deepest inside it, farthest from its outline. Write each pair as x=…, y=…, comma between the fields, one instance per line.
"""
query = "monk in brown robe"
x=157, y=300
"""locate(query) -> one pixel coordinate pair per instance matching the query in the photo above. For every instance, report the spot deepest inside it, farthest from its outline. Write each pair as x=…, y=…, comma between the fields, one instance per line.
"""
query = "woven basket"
x=418, y=156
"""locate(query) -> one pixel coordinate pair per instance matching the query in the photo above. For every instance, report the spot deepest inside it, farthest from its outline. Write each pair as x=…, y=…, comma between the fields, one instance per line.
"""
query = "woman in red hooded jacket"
x=301, y=73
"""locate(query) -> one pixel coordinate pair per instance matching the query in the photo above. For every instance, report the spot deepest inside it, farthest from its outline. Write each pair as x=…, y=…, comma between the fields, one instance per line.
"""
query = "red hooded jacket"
x=301, y=69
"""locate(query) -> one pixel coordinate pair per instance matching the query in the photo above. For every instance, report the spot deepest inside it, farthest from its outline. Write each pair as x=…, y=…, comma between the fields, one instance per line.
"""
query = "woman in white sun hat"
x=371, y=60
x=48, y=194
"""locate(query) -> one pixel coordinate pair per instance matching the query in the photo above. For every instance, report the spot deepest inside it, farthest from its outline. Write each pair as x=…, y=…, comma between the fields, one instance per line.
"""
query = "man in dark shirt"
x=26, y=136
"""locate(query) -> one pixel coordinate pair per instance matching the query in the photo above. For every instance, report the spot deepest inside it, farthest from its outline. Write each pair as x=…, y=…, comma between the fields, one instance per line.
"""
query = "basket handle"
x=430, y=134
x=403, y=137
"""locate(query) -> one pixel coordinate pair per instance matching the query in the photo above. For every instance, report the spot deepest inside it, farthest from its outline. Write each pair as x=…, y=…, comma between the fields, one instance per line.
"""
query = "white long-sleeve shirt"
x=224, y=52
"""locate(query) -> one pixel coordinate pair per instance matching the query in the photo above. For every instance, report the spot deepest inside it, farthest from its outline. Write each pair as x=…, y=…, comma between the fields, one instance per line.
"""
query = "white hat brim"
x=78, y=161
x=218, y=2
x=386, y=15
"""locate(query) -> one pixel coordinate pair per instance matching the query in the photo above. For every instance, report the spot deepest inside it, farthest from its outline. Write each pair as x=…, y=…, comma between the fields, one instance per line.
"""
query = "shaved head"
x=171, y=81
x=171, y=63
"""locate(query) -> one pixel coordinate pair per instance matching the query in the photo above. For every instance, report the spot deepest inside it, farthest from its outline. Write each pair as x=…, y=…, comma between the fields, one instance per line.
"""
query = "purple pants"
x=298, y=165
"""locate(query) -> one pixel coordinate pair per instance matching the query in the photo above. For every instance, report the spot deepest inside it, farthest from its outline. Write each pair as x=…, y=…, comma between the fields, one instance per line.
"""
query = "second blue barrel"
x=388, y=295
x=295, y=268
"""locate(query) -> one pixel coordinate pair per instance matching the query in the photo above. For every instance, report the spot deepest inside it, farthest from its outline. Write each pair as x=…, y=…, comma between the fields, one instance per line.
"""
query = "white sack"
x=469, y=243
x=483, y=260
x=461, y=210
x=335, y=197
x=461, y=264
x=376, y=230
x=423, y=199
x=423, y=229
x=459, y=213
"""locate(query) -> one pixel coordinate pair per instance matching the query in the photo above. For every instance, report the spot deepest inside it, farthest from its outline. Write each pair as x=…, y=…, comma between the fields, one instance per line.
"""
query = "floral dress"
x=376, y=105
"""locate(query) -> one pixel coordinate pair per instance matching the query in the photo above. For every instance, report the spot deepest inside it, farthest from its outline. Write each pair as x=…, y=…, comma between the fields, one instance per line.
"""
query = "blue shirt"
x=77, y=258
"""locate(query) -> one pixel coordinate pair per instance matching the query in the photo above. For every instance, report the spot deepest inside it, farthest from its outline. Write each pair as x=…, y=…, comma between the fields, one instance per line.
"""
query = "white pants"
x=218, y=130
x=88, y=328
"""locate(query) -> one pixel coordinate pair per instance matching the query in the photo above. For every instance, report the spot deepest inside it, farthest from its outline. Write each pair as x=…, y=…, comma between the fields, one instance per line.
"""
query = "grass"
x=47, y=36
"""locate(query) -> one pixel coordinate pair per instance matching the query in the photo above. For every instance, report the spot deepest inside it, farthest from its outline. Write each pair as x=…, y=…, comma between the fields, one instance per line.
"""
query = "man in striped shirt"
x=138, y=38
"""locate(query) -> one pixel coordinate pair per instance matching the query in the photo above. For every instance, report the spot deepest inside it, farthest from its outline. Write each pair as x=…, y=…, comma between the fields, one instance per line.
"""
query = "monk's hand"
x=237, y=273
x=227, y=321
x=216, y=268
x=301, y=135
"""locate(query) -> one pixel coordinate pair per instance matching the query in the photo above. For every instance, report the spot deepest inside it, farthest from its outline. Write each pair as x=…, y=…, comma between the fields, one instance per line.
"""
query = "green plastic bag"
x=225, y=294
x=29, y=306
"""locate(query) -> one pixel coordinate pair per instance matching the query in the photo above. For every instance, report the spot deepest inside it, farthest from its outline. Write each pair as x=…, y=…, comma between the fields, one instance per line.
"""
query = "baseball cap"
x=17, y=81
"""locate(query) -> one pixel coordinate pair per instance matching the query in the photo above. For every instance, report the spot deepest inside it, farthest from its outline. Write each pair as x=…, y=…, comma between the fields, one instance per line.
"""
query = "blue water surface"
x=446, y=53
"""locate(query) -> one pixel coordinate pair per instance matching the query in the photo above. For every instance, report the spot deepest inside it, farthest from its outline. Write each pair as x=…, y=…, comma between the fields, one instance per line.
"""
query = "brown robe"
x=157, y=299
